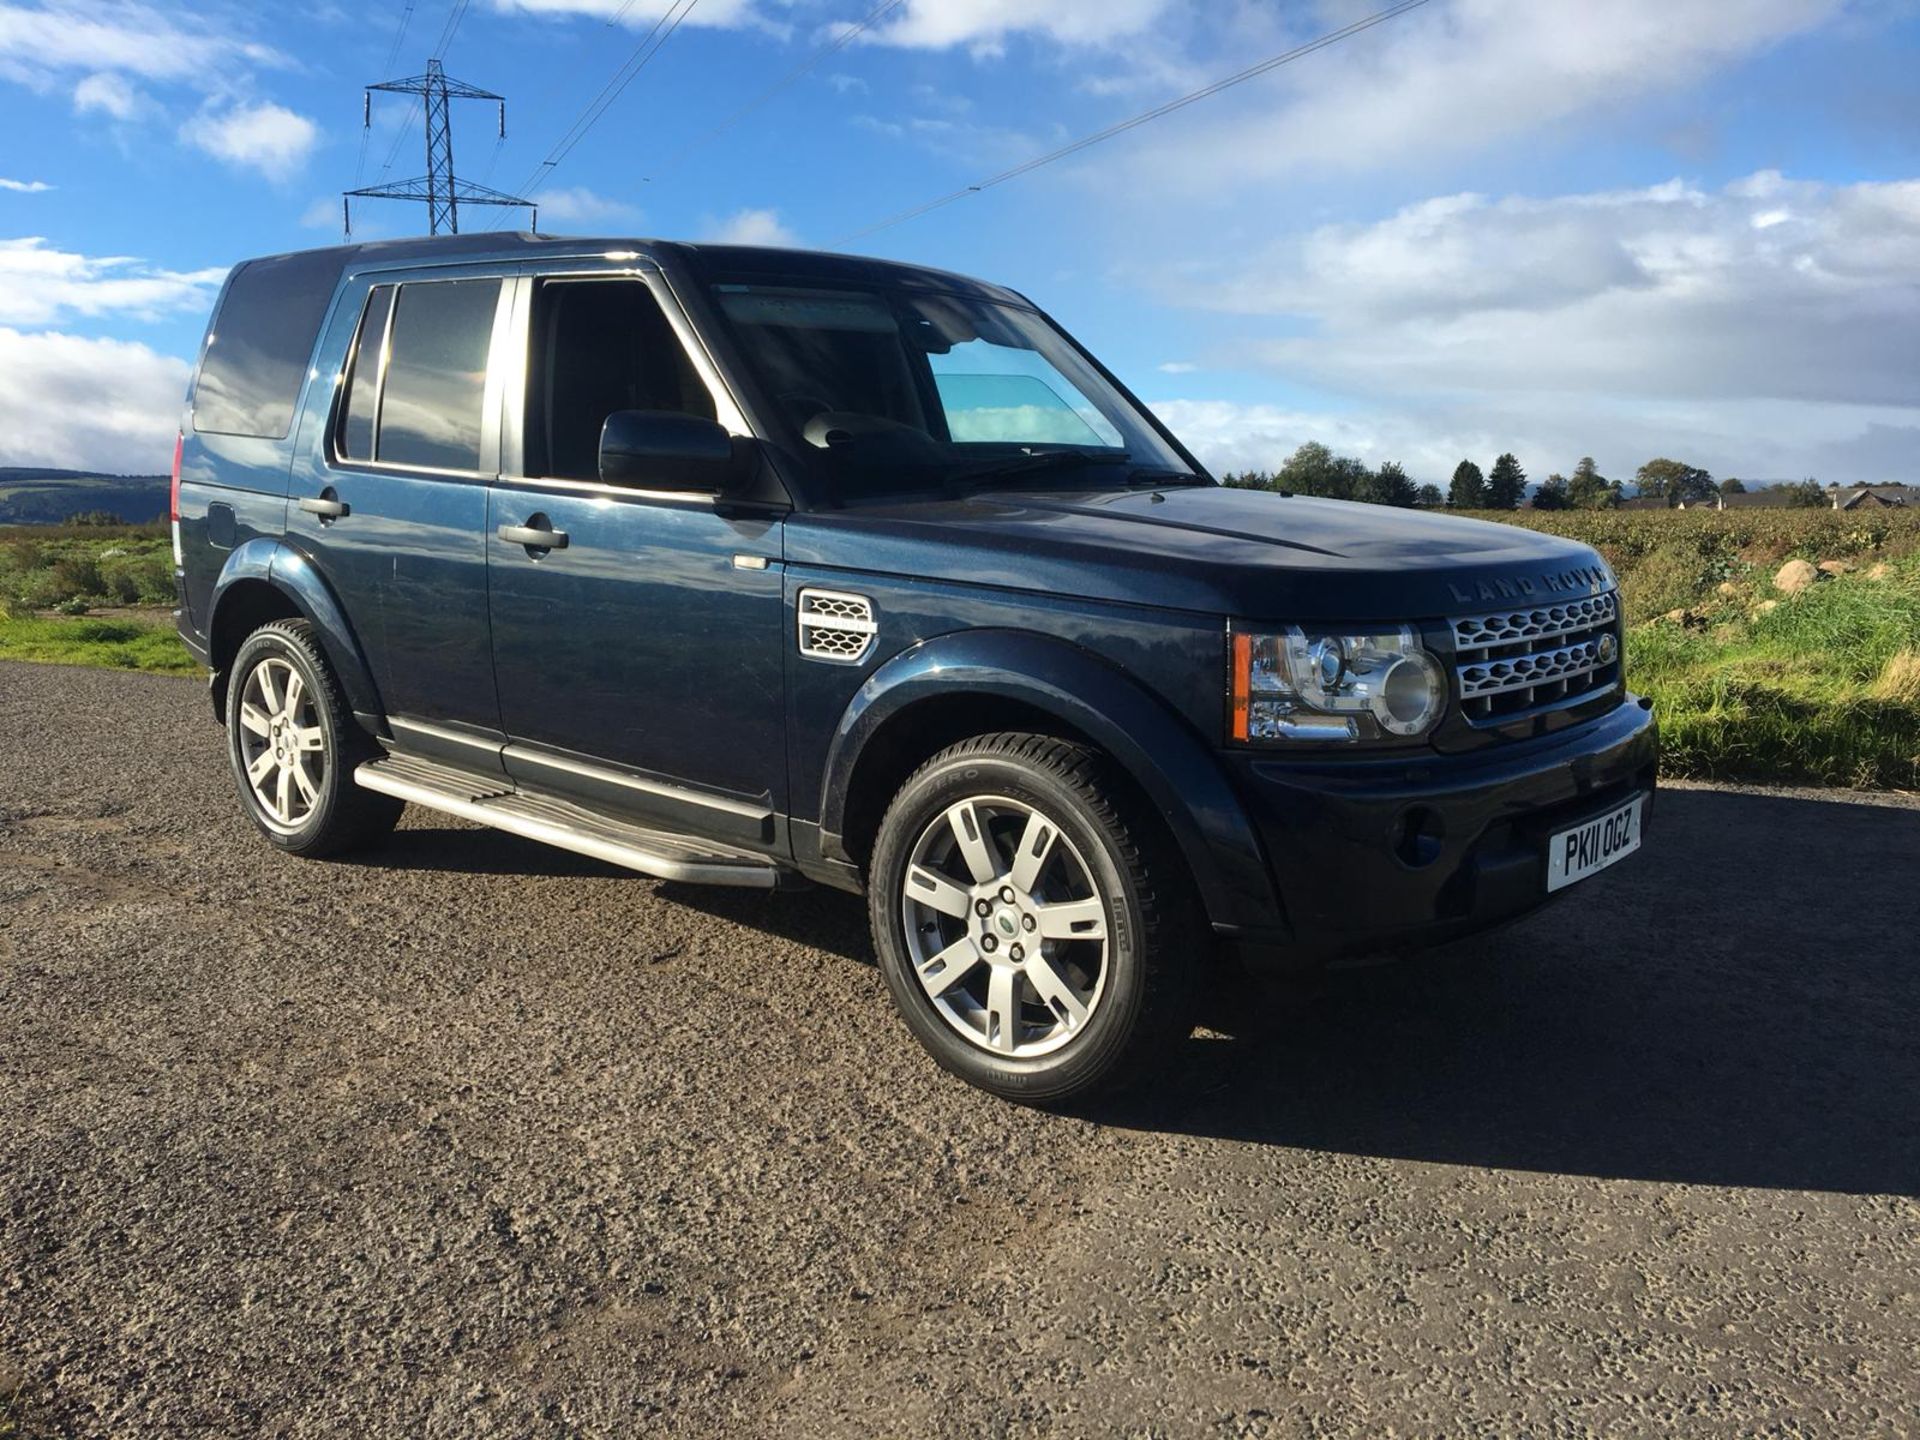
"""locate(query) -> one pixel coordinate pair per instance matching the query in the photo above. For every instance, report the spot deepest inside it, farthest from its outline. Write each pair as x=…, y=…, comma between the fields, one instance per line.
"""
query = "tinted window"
x=600, y=346
x=262, y=338
x=355, y=440
x=437, y=374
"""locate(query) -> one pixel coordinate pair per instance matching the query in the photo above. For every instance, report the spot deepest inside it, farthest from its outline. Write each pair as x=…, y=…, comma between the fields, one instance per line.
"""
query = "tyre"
x=293, y=743
x=1034, y=926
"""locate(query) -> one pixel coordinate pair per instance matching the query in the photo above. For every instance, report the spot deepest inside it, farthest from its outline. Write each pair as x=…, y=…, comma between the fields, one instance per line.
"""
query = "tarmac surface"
x=471, y=1138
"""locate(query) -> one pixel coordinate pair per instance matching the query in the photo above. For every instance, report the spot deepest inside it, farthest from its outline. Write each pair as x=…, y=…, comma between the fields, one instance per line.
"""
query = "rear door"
x=639, y=665
x=390, y=496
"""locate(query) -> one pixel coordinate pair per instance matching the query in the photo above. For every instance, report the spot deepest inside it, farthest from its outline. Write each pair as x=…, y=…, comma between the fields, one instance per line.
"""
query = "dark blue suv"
x=756, y=567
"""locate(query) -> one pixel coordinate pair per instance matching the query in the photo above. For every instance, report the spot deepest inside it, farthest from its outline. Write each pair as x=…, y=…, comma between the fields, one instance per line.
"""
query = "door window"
x=431, y=404
x=599, y=346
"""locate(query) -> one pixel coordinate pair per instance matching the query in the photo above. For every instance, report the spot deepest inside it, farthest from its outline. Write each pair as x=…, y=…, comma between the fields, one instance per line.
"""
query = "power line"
x=447, y=31
x=399, y=36
x=798, y=72
x=650, y=45
x=1086, y=142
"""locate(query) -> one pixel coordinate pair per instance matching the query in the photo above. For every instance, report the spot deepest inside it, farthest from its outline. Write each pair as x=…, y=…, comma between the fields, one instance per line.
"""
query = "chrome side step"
x=564, y=825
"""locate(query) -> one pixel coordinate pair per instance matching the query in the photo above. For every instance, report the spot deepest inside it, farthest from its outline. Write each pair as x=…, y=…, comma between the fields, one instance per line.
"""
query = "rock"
x=1765, y=607
x=1835, y=567
x=1726, y=589
x=1794, y=576
x=1879, y=570
x=1678, y=617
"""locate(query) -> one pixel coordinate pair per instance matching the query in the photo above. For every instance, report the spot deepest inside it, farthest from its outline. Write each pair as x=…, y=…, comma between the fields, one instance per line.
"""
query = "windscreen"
x=890, y=392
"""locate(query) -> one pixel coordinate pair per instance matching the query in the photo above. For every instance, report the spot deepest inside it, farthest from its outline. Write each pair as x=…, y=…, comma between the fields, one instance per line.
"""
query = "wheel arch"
x=265, y=580
x=979, y=681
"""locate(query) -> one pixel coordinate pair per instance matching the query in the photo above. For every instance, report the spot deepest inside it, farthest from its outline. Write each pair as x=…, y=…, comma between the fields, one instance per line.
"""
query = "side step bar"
x=564, y=825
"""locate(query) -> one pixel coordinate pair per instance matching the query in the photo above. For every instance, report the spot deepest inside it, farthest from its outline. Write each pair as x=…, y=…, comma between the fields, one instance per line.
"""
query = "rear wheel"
x=293, y=743
x=1034, y=931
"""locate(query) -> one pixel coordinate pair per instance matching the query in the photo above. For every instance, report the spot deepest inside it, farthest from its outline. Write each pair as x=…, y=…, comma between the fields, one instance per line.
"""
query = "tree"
x=1247, y=480
x=1588, y=489
x=1552, y=494
x=1469, y=488
x=1732, y=486
x=1507, y=484
x=1388, y=485
x=1675, y=481
x=1808, y=494
x=1430, y=497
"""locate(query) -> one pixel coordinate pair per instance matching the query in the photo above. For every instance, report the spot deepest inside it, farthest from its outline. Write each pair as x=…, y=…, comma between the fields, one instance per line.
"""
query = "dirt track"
x=476, y=1138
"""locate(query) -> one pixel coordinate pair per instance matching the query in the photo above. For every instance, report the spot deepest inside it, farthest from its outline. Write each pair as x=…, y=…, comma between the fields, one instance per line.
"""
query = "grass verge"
x=133, y=643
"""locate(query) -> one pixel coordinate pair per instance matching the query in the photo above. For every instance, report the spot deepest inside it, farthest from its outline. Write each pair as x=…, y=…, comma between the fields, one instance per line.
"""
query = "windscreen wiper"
x=1036, y=462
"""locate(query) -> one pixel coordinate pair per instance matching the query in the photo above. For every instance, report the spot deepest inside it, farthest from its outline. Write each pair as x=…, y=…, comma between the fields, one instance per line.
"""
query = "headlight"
x=1334, y=686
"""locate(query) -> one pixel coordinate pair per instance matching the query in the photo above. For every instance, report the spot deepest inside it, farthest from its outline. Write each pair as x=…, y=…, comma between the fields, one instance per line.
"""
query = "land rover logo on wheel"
x=1008, y=925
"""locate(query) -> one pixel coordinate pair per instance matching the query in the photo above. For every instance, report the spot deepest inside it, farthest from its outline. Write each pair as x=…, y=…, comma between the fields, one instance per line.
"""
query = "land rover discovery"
x=765, y=568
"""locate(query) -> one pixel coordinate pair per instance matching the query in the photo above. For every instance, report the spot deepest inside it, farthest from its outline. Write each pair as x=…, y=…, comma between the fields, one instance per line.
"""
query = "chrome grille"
x=835, y=627
x=1510, y=663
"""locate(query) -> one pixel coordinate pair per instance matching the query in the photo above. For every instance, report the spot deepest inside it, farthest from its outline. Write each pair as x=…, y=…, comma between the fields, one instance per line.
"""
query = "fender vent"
x=836, y=627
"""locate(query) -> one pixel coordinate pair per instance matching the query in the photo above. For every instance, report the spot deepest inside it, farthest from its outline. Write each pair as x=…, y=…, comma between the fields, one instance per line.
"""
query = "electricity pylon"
x=438, y=187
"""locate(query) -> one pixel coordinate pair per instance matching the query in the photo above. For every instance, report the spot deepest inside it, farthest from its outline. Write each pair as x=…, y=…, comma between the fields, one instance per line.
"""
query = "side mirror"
x=665, y=450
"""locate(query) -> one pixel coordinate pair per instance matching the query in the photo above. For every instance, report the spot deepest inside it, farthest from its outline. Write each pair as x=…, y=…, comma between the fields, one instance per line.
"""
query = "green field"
x=1821, y=687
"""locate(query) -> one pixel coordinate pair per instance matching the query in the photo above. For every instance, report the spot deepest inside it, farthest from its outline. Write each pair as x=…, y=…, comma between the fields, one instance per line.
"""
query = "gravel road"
x=472, y=1138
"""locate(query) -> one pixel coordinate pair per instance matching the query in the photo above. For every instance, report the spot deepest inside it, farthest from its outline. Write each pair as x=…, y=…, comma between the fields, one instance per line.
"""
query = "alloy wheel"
x=283, y=749
x=1005, y=927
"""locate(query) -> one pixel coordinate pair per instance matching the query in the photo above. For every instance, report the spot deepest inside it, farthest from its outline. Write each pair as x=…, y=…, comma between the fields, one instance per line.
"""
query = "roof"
x=516, y=246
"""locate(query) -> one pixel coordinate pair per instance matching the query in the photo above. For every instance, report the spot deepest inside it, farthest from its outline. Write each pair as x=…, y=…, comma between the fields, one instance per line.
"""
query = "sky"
x=1617, y=228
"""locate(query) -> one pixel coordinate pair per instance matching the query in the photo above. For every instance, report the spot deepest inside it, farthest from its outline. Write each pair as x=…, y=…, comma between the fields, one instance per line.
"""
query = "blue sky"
x=1622, y=228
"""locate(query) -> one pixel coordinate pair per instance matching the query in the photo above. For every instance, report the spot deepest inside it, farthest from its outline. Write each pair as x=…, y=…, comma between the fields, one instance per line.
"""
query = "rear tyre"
x=1034, y=926
x=293, y=744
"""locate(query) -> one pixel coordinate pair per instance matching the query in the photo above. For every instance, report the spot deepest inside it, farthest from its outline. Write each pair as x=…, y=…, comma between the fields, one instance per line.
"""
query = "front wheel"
x=292, y=742
x=1033, y=926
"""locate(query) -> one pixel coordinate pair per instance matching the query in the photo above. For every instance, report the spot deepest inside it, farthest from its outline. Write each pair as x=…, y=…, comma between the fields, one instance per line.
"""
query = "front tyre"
x=1034, y=927
x=293, y=743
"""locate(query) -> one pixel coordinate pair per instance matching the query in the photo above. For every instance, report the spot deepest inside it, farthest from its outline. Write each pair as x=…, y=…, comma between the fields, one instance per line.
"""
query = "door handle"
x=533, y=537
x=325, y=506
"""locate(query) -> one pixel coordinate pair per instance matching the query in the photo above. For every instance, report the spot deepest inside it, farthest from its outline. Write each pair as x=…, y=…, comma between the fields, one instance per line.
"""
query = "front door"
x=638, y=660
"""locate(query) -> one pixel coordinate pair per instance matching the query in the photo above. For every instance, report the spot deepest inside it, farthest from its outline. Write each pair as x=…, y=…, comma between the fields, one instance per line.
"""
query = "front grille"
x=1511, y=663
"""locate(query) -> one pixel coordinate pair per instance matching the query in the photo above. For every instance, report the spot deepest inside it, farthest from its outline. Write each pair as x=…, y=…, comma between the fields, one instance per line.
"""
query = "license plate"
x=1592, y=846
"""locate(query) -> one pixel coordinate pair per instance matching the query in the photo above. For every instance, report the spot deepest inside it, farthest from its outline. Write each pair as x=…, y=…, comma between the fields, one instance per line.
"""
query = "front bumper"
x=1380, y=855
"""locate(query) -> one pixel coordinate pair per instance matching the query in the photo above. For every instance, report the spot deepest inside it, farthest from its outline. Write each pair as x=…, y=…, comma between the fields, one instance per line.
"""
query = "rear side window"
x=416, y=381
x=355, y=440
x=262, y=338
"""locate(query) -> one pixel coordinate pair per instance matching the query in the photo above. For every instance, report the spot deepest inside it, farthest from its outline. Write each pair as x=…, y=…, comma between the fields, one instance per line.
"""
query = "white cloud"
x=1667, y=292
x=41, y=286
x=125, y=36
x=1631, y=322
x=108, y=94
x=642, y=14
x=77, y=403
x=984, y=25
x=1453, y=78
x=1178, y=367
x=25, y=187
x=580, y=206
x=752, y=227
x=261, y=136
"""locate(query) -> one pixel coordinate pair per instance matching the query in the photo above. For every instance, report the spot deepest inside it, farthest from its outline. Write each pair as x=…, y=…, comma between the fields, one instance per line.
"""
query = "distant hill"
x=32, y=496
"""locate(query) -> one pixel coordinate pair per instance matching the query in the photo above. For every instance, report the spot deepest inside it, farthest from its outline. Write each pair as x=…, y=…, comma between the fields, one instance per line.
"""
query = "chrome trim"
x=441, y=732
x=1518, y=662
x=1523, y=672
x=856, y=618
x=660, y=789
x=1510, y=627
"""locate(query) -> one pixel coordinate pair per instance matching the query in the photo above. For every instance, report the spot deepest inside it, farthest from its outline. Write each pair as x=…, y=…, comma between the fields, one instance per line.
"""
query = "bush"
x=138, y=579
x=75, y=576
